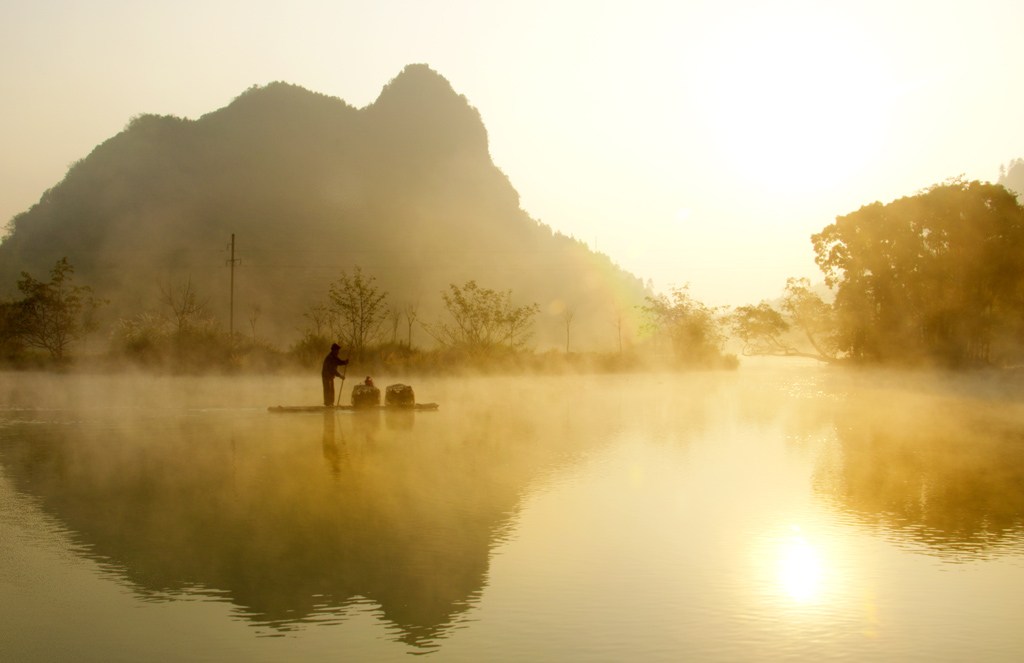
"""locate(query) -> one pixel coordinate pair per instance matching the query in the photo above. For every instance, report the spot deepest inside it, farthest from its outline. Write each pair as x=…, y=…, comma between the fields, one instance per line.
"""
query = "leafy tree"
x=10, y=344
x=55, y=313
x=930, y=277
x=516, y=321
x=762, y=329
x=696, y=330
x=811, y=315
x=358, y=310
x=766, y=331
x=483, y=320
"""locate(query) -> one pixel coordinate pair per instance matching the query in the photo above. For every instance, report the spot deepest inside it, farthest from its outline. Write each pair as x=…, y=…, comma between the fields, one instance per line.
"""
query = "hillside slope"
x=309, y=185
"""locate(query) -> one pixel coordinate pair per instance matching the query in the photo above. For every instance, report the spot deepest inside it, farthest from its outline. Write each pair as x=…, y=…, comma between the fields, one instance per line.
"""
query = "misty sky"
x=692, y=142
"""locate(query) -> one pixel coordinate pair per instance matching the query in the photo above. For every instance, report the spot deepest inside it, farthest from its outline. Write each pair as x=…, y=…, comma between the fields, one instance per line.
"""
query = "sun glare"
x=794, y=102
x=800, y=570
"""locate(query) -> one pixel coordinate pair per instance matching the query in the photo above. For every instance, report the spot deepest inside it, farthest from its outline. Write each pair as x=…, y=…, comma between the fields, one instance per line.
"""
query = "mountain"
x=1012, y=177
x=309, y=186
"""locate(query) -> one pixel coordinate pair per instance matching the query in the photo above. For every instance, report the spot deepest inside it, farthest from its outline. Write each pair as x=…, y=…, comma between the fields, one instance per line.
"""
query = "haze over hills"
x=309, y=185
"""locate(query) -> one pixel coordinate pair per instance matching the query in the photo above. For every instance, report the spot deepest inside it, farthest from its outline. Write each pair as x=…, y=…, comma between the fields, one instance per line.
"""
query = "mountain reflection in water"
x=309, y=518
x=290, y=517
x=244, y=505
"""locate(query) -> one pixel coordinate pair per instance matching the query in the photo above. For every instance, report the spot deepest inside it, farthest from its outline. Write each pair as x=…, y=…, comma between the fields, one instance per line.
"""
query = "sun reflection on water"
x=800, y=569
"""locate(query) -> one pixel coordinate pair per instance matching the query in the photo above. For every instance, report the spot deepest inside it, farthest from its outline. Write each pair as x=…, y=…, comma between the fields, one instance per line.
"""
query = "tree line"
x=934, y=278
x=478, y=326
x=478, y=322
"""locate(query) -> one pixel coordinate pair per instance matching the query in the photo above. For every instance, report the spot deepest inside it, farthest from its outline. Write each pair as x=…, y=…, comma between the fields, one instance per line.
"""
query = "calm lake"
x=781, y=512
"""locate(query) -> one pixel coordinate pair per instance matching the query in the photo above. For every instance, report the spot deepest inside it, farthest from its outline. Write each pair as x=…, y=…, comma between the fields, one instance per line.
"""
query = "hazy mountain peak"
x=417, y=83
x=429, y=112
x=279, y=101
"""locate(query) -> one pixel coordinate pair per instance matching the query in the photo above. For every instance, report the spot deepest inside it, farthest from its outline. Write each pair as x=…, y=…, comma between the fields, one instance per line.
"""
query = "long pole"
x=344, y=373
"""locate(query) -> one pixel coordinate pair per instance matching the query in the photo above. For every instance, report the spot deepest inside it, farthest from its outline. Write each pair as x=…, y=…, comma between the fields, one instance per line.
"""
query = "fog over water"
x=780, y=512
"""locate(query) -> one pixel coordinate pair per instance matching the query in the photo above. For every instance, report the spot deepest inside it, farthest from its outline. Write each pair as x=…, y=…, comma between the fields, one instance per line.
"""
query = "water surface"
x=779, y=512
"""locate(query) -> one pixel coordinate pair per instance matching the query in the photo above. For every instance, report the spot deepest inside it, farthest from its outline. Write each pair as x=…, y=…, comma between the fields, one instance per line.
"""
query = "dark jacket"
x=331, y=364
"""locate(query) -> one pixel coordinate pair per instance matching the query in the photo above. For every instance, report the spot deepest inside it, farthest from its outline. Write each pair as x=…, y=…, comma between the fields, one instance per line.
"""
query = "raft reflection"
x=304, y=518
x=309, y=518
x=241, y=506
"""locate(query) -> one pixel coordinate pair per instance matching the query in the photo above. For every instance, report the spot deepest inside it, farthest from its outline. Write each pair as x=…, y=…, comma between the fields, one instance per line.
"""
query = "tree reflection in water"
x=402, y=513
x=946, y=473
x=310, y=518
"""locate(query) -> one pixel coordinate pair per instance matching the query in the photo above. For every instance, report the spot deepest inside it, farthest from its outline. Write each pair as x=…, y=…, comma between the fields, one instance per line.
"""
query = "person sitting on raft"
x=330, y=371
x=368, y=381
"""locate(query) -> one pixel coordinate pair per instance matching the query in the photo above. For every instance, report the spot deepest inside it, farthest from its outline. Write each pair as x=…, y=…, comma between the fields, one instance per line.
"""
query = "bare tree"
x=320, y=316
x=411, y=314
x=618, y=316
x=567, y=315
x=394, y=317
x=186, y=307
x=254, y=315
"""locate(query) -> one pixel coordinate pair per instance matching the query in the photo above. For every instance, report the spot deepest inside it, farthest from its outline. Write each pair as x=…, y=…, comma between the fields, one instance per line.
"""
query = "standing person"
x=330, y=371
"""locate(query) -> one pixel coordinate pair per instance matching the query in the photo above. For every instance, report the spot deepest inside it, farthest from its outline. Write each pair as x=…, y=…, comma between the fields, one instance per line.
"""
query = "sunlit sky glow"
x=692, y=142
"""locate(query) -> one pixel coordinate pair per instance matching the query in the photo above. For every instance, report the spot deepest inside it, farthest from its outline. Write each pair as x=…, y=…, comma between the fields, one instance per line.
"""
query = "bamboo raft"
x=357, y=408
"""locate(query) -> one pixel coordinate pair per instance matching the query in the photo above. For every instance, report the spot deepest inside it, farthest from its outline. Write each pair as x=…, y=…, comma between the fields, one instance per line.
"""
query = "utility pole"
x=231, y=318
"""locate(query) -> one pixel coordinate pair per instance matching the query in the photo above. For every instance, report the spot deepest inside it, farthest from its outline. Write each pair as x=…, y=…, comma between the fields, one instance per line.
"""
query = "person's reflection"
x=332, y=455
